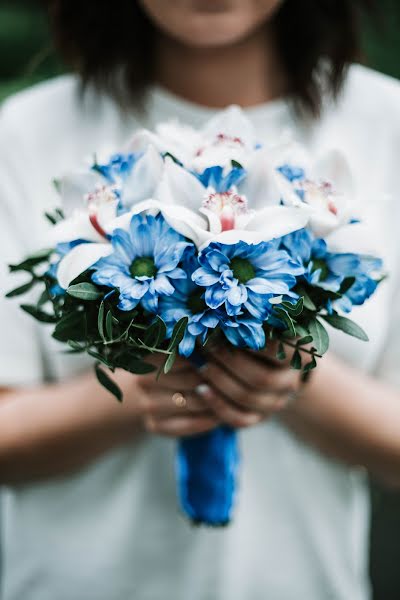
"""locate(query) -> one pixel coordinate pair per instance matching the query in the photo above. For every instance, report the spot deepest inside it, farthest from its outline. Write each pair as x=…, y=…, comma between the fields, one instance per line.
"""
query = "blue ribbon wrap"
x=207, y=466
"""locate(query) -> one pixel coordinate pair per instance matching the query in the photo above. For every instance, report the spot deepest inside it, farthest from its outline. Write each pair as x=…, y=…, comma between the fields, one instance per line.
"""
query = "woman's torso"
x=113, y=530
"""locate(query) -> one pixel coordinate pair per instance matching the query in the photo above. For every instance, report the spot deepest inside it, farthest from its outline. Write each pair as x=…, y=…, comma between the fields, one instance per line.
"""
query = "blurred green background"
x=26, y=57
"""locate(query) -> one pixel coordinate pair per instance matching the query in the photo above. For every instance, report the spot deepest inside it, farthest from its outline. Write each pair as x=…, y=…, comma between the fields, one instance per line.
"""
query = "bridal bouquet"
x=189, y=235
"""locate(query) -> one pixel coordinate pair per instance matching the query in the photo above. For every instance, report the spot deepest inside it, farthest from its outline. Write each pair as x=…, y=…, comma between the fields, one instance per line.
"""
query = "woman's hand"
x=170, y=405
x=244, y=387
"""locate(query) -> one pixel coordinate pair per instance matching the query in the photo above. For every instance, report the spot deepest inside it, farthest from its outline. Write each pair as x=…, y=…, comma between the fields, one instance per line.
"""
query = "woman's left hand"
x=238, y=382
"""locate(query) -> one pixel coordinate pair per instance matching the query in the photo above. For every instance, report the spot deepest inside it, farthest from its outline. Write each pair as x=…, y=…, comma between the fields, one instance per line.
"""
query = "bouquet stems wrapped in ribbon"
x=192, y=234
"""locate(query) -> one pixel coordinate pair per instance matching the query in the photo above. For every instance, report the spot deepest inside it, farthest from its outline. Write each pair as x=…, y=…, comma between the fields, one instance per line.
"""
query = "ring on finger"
x=179, y=400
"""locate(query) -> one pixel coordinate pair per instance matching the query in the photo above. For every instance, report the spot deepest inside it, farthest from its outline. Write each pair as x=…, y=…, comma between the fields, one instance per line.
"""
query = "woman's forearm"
x=54, y=429
x=352, y=417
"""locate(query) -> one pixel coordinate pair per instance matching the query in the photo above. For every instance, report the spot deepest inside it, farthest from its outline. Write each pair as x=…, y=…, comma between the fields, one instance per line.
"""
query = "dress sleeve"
x=20, y=356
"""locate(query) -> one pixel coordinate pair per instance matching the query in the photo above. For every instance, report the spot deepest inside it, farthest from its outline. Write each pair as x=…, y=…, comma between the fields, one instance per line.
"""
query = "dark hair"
x=112, y=45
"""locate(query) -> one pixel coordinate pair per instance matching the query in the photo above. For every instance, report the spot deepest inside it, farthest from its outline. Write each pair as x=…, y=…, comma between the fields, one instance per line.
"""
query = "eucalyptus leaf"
x=100, y=322
x=31, y=261
x=320, y=336
x=294, y=309
x=85, y=291
x=307, y=339
x=156, y=333
x=281, y=354
x=295, y=362
x=71, y=326
x=134, y=365
x=109, y=325
x=22, y=289
x=346, y=284
x=169, y=363
x=108, y=383
x=178, y=333
x=287, y=319
x=346, y=325
x=38, y=314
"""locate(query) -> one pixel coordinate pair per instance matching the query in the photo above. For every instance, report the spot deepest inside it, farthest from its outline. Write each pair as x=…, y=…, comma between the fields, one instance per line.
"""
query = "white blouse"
x=112, y=531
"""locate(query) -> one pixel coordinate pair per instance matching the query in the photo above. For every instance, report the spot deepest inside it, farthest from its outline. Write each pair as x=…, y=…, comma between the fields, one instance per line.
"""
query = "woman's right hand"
x=170, y=406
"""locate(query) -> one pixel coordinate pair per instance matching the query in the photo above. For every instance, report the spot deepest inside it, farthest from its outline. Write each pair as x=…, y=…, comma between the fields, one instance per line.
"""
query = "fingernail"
x=203, y=389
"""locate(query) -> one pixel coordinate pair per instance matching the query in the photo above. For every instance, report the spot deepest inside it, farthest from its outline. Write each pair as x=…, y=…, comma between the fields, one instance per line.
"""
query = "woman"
x=89, y=508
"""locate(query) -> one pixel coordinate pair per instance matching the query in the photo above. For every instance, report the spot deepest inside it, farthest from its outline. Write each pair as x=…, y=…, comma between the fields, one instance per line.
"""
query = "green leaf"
x=294, y=309
x=281, y=354
x=155, y=334
x=39, y=315
x=134, y=365
x=100, y=321
x=85, y=291
x=310, y=365
x=109, y=325
x=346, y=325
x=307, y=369
x=22, y=289
x=31, y=261
x=308, y=303
x=178, y=333
x=307, y=339
x=301, y=331
x=295, y=362
x=320, y=336
x=108, y=383
x=346, y=284
x=236, y=165
x=284, y=316
x=71, y=326
x=169, y=363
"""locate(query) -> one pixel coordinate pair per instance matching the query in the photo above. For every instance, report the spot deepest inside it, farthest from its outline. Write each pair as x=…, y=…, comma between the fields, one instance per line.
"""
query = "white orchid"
x=227, y=137
x=91, y=205
x=250, y=211
x=324, y=192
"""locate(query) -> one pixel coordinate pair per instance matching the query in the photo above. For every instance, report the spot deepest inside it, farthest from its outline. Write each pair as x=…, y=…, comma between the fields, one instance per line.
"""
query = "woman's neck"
x=247, y=73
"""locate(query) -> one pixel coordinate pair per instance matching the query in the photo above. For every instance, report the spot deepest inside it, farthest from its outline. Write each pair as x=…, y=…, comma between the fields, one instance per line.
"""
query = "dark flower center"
x=242, y=269
x=196, y=303
x=143, y=266
x=319, y=263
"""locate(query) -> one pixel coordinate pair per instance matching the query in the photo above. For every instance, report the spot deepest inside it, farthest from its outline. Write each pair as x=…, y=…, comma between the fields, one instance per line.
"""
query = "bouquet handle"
x=206, y=467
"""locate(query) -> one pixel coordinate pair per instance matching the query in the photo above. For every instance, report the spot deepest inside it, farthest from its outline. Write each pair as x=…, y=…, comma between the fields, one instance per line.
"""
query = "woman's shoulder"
x=41, y=103
x=58, y=109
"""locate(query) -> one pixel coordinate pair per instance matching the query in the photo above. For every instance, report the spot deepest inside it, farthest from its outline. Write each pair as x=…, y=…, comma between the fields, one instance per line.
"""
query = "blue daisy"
x=144, y=261
x=188, y=301
x=245, y=276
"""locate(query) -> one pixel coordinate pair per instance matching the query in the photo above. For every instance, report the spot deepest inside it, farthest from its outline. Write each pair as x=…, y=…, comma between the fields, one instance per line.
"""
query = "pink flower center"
x=222, y=139
x=227, y=205
x=99, y=197
x=320, y=194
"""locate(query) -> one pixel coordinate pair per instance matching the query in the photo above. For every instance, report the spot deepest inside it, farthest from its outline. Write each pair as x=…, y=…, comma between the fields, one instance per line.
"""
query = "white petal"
x=149, y=207
x=233, y=122
x=334, y=167
x=357, y=237
x=261, y=185
x=179, y=187
x=76, y=227
x=74, y=186
x=78, y=260
x=140, y=141
x=187, y=223
x=275, y=221
x=143, y=179
x=233, y=236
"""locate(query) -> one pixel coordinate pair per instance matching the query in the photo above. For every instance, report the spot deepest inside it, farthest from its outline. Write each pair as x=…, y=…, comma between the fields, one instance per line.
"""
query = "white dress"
x=112, y=531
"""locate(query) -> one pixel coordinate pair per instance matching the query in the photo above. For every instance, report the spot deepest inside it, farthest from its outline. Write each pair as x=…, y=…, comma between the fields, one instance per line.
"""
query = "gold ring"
x=179, y=400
